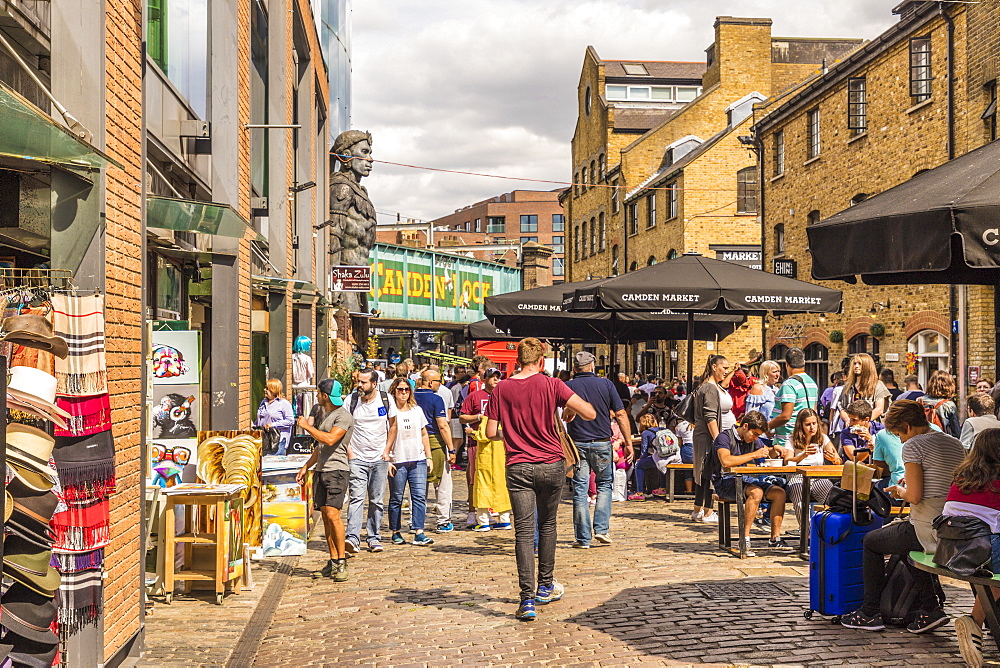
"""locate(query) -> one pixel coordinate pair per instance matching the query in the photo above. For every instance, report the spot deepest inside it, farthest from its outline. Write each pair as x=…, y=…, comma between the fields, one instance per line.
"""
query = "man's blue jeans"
x=366, y=478
x=414, y=473
x=594, y=457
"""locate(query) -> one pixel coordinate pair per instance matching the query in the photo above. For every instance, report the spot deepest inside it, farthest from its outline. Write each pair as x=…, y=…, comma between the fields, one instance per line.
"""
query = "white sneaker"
x=970, y=641
x=750, y=552
x=603, y=538
x=710, y=519
x=470, y=520
x=697, y=515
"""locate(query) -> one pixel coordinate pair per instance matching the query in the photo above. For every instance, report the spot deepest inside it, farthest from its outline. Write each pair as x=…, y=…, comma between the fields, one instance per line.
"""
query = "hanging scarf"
x=88, y=415
x=82, y=529
x=80, y=321
x=77, y=561
x=86, y=467
x=79, y=600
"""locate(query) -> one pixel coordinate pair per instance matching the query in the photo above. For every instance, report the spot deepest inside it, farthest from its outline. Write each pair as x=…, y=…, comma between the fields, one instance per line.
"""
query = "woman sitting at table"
x=810, y=447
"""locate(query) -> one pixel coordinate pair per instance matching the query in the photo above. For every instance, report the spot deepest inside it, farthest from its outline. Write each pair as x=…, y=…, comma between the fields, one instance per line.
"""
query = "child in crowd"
x=860, y=430
x=645, y=463
x=685, y=432
x=810, y=447
x=975, y=492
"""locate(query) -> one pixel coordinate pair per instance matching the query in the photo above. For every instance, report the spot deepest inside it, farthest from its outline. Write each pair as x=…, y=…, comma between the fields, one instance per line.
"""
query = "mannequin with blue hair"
x=303, y=344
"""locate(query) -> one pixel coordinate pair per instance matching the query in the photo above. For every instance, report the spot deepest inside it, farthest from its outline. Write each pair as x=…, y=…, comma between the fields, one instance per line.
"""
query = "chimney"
x=536, y=269
x=741, y=54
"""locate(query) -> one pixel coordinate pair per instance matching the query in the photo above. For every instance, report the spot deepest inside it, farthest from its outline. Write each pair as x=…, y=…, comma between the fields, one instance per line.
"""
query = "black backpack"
x=355, y=398
x=901, y=599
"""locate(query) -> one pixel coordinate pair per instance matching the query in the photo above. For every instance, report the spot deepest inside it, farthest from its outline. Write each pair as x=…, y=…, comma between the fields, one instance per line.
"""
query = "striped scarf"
x=80, y=321
x=79, y=601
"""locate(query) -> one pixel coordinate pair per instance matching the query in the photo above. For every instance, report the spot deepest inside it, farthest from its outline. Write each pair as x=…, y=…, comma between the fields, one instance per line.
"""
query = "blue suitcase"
x=836, y=585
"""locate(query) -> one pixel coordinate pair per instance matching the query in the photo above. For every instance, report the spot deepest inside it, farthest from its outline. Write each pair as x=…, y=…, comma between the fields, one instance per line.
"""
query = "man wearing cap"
x=593, y=439
x=332, y=475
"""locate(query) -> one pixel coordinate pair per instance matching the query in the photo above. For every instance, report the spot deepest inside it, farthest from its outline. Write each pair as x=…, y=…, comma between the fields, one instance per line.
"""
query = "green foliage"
x=836, y=336
x=877, y=330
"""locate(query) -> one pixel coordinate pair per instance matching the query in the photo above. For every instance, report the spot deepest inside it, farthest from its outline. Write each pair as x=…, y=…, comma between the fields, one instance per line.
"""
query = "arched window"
x=602, y=232
x=583, y=239
x=583, y=180
x=746, y=190
x=614, y=260
x=576, y=183
x=779, y=238
x=601, y=168
x=576, y=242
x=672, y=253
x=818, y=364
x=859, y=198
x=593, y=236
x=651, y=261
x=932, y=351
x=633, y=266
x=778, y=355
x=857, y=344
x=813, y=217
x=587, y=101
x=593, y=172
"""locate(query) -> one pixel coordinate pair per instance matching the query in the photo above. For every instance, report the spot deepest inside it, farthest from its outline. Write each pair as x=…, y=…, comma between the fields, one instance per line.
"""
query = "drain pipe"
x=957, y=293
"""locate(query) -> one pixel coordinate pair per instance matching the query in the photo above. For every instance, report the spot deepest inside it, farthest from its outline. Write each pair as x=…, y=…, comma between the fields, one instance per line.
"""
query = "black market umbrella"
x=941, y=226
x=540, y=312
x=696, y=284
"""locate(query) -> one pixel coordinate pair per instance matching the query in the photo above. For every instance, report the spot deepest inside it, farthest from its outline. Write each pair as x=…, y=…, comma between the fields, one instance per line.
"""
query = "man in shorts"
x=741, y=446
x=331, y=477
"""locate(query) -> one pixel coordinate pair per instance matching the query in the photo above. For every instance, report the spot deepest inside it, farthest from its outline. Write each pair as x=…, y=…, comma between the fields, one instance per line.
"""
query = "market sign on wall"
x=415, y=284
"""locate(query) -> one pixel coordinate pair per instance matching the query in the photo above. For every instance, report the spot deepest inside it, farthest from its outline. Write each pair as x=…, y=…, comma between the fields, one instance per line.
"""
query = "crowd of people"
x=407, y=428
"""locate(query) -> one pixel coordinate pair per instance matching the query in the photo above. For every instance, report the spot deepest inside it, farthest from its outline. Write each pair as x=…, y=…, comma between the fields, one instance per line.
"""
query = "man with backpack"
x=797, y=392
x=593, y=439
x=374, y=433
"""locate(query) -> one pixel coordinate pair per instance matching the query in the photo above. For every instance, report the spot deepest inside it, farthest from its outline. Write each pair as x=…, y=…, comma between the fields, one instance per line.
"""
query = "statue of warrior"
x=352, y=215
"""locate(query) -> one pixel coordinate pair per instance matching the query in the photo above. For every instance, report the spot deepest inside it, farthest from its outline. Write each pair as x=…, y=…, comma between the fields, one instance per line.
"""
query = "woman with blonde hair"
x=863, y=383
x=409, y=461
x=762, y=394
x=275, y=413
x=939, y=403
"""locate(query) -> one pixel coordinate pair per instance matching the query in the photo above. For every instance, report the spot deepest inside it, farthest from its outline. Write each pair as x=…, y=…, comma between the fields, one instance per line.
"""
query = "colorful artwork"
x=175, y=411
x=176, y=357
x=172, y=462
x=168, y=362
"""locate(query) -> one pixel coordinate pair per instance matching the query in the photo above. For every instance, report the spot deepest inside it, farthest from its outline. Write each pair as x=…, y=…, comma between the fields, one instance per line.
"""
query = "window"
x=584, y=239
x=858, y=344
x=178, y=44
x=633, y=218
x=778, y=355
x=586, y=101
x=593, y=236
x=615, y=201
x=558, y=266
x=650, y=211
x=601, y=233
x=557, y=245
x=671, y=200
x=813, y=136
x=558, y=222
x=779, y=239
x=857, y=105
x=525, y=240
x=614, y=260
x=818, y=364
x=583, y=180
x=576, y=184
x=932, y=350
x=600, y=167
x=672, y=254
x=616, y=92
x=529, y=224
x=920, y=69
x=576, y=242
x=652, y=93
x=633, y=266
x=859, y=198
x=635, y=69
x=593, y=172
x=779, y=153
x=651, y=261
x=687, y=93
x=496, y=225
x=746, y=190
x=479, y=224
x=990, y=115
x=812, y=218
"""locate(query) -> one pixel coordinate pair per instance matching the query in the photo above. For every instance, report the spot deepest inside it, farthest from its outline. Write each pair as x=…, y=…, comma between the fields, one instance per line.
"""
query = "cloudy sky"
x=490, y=85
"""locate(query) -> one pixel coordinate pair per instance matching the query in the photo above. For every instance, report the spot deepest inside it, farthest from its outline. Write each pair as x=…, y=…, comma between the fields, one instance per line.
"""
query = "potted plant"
x=836, y=336
x=877, y=330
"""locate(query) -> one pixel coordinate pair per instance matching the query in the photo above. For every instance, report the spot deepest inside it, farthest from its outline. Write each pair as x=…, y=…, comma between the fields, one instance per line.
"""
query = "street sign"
x=395, y=358
x=351, y=279
x=747, y=256
x=892, y=357
x=974, y=374
x=787, y=268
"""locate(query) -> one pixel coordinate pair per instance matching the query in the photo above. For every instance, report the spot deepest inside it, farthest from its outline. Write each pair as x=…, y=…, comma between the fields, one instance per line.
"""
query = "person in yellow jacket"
x=489, y=488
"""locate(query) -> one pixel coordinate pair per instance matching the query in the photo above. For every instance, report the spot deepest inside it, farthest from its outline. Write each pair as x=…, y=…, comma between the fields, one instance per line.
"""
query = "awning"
x=29, y=133
x=941, y=226
x=302, y=291
x=445, y=357
x=183, y=215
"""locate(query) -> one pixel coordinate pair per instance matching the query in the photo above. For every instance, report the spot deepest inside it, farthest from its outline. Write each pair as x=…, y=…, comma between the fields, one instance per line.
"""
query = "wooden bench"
x=672, y=470
x=981, y=587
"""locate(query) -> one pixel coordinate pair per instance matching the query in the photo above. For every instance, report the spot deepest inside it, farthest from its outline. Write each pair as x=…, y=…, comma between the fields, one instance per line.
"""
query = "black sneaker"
x=859, y=620
x=327, y=571
x=927, y=621
x=779, y=544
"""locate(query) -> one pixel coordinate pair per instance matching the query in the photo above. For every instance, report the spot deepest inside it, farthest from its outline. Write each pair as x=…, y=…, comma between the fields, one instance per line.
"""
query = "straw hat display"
x=235, y=460
x=34, y=391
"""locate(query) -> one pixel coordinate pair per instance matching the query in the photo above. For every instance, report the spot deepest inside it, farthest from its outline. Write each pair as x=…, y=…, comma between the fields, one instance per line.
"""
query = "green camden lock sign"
x=416, y=284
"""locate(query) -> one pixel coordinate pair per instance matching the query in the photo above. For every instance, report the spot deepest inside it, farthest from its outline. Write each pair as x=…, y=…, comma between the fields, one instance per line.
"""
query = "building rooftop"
x=632, y=119
x=654, y=69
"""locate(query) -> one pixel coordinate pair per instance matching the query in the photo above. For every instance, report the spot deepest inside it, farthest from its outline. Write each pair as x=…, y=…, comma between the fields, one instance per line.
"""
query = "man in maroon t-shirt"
x=526, y=406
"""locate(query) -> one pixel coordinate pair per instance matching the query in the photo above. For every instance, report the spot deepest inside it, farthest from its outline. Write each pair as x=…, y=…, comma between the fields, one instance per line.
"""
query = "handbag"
x=571, y=455
x=963, y=545
x=269, y=440
x=685, y=409
x=842, y=500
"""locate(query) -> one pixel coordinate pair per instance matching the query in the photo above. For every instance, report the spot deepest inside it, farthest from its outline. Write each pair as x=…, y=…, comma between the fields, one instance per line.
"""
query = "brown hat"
x=41, y=481
x=33, y=331
x=29, y=614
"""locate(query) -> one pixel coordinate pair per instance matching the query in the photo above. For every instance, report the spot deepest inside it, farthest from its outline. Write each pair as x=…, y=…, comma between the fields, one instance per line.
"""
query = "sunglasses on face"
x=402, y=389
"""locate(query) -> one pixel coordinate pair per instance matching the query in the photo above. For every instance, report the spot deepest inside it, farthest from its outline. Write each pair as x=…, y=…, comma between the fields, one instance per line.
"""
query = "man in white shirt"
x=374, y=433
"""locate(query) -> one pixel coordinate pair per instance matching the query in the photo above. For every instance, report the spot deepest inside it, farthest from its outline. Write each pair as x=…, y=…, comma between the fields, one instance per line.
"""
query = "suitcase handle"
x=822, y=525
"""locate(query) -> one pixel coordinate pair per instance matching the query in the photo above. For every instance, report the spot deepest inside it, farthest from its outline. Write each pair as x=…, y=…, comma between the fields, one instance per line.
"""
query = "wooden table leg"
x=170, y=526
x=221, y=556
x=670, y=489
x=989, y=605
x=804, y=518
x=740, y=519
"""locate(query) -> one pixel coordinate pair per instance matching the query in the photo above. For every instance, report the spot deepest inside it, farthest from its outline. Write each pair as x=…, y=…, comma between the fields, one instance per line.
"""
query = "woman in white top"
x=810, y=447
x=410, y=459
x=762, y=394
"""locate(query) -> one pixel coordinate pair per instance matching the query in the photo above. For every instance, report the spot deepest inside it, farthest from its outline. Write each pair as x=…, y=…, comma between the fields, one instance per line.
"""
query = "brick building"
x=515, y=218
x=871, y=122
x=675, y=178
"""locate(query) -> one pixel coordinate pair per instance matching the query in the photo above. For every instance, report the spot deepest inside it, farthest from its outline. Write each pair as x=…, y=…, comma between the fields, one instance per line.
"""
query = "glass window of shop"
x=258, y=100
x=177, y=41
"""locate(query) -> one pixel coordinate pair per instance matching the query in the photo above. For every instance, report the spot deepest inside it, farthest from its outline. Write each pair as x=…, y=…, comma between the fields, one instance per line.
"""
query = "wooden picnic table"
x=739, y=472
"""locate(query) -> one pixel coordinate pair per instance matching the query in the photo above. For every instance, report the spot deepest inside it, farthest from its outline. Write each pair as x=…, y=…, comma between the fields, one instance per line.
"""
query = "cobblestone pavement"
x=633, y=603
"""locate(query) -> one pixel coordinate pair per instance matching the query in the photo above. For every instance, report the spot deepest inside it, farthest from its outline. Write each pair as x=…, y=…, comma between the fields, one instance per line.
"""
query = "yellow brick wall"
x=901, y=140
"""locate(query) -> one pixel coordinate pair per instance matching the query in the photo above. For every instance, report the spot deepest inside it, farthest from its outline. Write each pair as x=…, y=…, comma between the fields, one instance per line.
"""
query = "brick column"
x=536, y=267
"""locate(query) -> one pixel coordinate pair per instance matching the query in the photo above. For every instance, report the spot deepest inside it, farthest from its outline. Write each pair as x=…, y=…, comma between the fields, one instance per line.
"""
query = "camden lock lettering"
x=450, y=289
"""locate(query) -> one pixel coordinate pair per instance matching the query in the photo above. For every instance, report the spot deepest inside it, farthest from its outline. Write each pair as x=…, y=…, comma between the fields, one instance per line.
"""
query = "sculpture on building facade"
x=352, y=215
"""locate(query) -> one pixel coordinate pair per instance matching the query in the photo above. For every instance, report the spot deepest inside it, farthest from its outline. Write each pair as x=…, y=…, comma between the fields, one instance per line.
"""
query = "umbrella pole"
x=690, y=359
